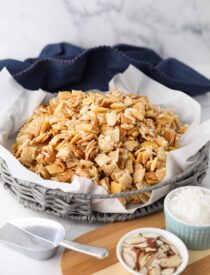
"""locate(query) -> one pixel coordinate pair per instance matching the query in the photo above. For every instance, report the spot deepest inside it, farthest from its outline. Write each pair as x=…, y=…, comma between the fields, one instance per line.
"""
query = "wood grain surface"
x=73, y=263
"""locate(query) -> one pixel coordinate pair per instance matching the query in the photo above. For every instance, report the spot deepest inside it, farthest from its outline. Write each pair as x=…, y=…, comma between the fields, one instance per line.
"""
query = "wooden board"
x=73, y=263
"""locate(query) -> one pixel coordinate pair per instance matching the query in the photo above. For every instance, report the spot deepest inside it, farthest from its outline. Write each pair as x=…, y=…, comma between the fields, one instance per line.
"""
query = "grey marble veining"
x=178, y=29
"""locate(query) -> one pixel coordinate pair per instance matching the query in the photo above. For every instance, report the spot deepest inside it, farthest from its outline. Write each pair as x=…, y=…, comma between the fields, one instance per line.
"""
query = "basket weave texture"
x=78, y=206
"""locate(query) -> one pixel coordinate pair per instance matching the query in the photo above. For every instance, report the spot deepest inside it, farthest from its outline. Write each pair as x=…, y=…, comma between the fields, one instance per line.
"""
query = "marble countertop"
x=172, y=28
x=179, y=29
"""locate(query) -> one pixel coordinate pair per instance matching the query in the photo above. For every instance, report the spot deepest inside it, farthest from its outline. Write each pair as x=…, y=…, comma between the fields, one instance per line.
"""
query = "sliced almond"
x=138, y=114
x=129, y=260
x=172, y=261
x=167, y=271
x=153, y=165
x=155, y=270
x=135, y=240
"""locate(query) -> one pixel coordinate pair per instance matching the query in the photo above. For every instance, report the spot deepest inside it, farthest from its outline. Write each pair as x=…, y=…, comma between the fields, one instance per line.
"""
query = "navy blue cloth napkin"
x=64, y=66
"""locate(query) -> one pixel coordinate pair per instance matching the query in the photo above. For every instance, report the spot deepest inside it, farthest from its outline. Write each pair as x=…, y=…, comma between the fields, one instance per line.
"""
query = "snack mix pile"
x=119, y=140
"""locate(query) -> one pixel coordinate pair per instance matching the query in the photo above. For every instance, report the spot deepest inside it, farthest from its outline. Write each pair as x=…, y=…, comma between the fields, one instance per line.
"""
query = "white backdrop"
x=178, y=28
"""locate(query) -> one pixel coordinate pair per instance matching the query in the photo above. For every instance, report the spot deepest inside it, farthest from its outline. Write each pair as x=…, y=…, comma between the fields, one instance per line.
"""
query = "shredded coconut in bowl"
x=191, y=205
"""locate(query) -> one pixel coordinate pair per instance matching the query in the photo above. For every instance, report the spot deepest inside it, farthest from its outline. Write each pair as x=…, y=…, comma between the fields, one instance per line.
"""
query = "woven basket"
x=78, y=206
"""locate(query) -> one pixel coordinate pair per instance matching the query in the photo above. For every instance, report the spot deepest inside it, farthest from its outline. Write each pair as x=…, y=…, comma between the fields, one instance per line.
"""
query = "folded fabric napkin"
x=64, y=66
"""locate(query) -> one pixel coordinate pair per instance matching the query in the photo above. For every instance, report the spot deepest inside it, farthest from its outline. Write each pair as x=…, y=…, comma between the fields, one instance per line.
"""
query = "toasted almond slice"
x=117, y=106
x=84, y=127
x=59, y=107
x=154, y=164
x=56, y=139
x=140, y=106
x=60, y=145
x=166, y=118
x=44, y=126
x=99, y=109
x=88, y=100
x=149, y=143
x=128, y=101
x=146, y=155
x=40, y=138
x=134, y=132
x=127, y=126
x=137, y=114
x=87, y=137
x=91, y=150
x=139, y=157
x=126, y=117
x=76, y=151
x=75, y=138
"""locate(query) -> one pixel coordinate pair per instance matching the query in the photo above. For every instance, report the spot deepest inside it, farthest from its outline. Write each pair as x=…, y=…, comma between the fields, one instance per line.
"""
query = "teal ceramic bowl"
x=196, y=237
